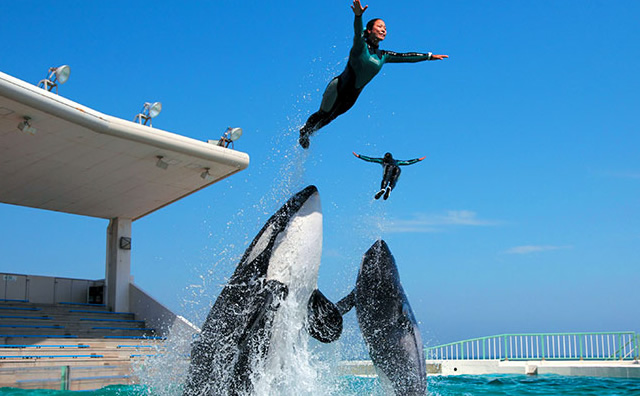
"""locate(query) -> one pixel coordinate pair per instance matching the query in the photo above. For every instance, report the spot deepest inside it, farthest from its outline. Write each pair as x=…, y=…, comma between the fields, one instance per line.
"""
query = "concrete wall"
x=45, y=289
x=52, y=290
x=156, y=315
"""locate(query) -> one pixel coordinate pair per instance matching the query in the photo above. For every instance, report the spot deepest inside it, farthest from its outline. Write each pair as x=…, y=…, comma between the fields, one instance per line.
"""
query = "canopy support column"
x=118, y=268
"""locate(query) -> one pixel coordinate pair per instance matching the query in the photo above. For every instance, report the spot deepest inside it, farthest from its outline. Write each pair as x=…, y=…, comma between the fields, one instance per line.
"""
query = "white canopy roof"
x=84, y=162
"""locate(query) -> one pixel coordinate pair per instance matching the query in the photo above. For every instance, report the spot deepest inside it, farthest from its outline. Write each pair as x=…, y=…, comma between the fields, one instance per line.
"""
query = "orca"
x=387, y=323
x=280, y=265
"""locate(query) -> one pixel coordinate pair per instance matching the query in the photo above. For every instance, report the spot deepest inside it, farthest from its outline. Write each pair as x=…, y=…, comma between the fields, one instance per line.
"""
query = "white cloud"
x=528, y=249
x=422, y=222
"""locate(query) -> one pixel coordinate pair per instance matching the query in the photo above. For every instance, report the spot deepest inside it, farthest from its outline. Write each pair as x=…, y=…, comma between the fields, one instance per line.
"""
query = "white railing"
x=542, y=346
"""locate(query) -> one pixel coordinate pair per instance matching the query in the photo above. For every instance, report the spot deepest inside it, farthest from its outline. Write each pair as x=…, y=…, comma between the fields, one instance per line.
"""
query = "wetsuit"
x=365, y=61
x=390, y=171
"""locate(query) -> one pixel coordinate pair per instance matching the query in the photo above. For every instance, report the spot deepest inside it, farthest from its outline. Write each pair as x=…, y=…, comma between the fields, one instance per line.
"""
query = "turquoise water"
x=465, y=385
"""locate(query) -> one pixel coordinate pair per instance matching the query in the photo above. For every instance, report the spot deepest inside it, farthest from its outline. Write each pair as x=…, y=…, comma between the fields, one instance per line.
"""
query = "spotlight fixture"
x=229, y=136
x=149, y=111
x=161, y=163
x=26, y=127
x=206, y=175
x=57, y=75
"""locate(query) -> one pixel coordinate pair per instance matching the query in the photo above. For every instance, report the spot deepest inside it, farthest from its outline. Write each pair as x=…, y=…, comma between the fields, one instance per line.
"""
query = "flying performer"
x=390, y=171
x=365, y=61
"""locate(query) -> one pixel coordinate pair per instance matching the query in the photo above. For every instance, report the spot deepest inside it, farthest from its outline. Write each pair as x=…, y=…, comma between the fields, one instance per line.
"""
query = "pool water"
x=464, y=385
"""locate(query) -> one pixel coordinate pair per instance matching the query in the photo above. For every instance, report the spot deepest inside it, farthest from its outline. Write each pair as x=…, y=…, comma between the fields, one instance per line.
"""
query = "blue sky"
x=524, y=216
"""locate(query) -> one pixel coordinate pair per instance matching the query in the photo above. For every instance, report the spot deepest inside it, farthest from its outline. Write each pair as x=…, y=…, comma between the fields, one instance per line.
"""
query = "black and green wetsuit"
x=390, y=171
x=365, y=61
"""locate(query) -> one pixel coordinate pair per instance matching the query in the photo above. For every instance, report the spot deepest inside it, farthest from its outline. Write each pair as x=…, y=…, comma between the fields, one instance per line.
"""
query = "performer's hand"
x=420, y=159
x=357, y=8
x=354, y=153
x=439, y=57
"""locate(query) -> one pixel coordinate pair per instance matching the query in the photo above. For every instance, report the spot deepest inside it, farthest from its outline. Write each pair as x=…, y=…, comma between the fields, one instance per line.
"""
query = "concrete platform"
x=590, y=368
x=587, y=368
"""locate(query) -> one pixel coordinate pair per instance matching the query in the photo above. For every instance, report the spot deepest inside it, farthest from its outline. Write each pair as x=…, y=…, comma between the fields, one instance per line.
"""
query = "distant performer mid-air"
x=365, y=61
x=390, y=171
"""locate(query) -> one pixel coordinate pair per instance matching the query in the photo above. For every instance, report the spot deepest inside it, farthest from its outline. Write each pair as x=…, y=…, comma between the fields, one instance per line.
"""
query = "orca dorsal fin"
x=324, y=321
x=347, y=302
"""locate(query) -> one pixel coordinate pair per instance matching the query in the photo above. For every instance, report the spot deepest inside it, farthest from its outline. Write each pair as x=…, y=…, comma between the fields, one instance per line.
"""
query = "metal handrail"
x=619, y=345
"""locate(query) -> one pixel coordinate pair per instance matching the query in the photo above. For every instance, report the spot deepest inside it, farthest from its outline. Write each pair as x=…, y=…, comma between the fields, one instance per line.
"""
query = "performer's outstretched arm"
x=411, y=161
x=368, y=159
x=358, y=10
x=411, y=57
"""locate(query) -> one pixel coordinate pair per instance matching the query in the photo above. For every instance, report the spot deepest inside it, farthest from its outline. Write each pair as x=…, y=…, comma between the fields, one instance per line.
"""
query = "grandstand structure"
x=77, y=334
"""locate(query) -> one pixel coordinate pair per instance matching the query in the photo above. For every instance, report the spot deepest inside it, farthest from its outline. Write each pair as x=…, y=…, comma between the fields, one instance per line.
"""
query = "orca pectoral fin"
x=324, y=321
x=268, y=300
x=347, y=302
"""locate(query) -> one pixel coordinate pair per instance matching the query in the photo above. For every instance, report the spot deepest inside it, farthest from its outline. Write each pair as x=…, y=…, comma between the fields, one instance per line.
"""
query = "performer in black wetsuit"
x=365, y=61
x=390, y=171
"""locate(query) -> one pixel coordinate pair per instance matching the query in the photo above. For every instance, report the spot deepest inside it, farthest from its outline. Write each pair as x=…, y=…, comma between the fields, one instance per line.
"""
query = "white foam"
x=290, y=367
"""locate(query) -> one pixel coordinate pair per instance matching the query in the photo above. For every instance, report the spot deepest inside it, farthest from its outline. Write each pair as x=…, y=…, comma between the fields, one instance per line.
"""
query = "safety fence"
x=542, y=346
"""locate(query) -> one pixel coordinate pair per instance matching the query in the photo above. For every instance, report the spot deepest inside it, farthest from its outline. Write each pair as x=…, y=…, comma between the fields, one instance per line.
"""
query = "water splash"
x=290, y=369
x=297, y=364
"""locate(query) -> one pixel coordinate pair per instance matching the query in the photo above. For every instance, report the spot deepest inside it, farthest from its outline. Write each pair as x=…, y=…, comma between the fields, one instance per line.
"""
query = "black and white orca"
x=387, y=323
x=279, y=266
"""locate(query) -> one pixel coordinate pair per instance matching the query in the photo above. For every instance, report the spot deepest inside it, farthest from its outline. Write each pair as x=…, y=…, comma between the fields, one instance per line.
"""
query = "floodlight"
x=62, y=73
x=229, y=136
x=161, y=163
x=56, y=75
x=234, y=133
x=25, y=126
x=149, y=111
x=154, y=109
